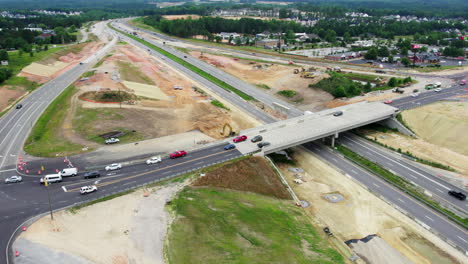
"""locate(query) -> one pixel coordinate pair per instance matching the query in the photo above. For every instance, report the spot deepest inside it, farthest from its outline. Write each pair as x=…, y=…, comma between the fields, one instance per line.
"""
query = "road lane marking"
x=401, y=200
x=376, y=152
x=7, y=170
x=200, y=162
x=353, y=171
x=439, y=190
x=462, y=239
x=146, y=173
x=64, y=188
x=429, y=218
x=376, y=185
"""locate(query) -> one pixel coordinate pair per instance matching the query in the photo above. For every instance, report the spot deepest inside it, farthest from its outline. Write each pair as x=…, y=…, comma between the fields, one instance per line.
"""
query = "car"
x=88, y=189
x=229, y=146
x=176, y=154
x=263, y=144
x=256, y=139
x=19, y=106
x=459, y=195
x=114, y=166
x=112, y=140
x=388, y=102
x=437, y=90
x=415, y=94
x=92, y=174
x=14, y=179
x=338, y=113
x=153, y=160
x=462, y=82
x=239, y=139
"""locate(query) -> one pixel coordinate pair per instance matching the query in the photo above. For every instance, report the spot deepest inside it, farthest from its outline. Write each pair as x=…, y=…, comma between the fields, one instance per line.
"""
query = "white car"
x=14, y=179
x=112, y=140
x=415, y=94
x=88, y=189
x=437, y=90
x=114, y=166
x=153, y=160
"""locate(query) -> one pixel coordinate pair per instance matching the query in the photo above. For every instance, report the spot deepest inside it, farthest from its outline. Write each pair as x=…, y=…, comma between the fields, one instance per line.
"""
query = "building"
x=363, y=43
x=269, y=43
x=344, y=56
x=227, y=35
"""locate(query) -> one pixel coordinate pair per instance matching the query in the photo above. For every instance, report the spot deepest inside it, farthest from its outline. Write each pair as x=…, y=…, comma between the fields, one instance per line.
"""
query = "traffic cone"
x=17, y=253
x=27, y=171
x=24, y=228
x=39, y=171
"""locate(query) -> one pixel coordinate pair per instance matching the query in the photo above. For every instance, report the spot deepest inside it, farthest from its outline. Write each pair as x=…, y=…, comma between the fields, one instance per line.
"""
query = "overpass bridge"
x=312, y=126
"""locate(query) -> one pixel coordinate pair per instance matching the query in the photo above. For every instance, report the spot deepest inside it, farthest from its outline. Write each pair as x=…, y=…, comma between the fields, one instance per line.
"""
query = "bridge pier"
x=330, y=139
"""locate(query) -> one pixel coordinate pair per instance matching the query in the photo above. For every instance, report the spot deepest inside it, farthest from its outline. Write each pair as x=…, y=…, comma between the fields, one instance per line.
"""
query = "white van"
x=69, y=172
x=52, y=178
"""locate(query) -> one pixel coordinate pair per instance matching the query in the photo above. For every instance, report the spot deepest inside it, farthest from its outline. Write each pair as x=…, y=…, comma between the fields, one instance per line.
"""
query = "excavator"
x=230, y=133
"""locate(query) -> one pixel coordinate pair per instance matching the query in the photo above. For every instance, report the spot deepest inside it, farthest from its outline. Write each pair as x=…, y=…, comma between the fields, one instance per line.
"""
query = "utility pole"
x=48, y=196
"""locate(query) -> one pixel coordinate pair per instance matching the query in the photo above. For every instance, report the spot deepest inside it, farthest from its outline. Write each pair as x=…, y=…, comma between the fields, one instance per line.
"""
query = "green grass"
x=190, y=67
x=221, y=226
x=434, y=69
x=401, y=183
x=360, y=77
x=219, y=104
x=287, y=93
x=138, y=22
x=17, y=81
x=88, y=74
x=122, y=43
x=131, y=73
x=17, y=62
x=43, y=140
x=263, y=86
x=85, y=118
x=101, y=61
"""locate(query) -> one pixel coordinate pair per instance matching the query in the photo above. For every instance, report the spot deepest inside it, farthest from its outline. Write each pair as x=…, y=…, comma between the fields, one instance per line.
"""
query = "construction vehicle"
x=296, y=71
x=307, y=75
x=230, y=133
x=398, y=90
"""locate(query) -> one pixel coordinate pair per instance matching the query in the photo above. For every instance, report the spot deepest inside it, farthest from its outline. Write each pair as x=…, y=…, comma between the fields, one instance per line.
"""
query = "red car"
x=177, y=154
x=388, y=102
x=239, y=139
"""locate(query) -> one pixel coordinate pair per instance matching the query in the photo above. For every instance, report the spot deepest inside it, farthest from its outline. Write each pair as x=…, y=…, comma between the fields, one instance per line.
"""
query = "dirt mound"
x=252, y=175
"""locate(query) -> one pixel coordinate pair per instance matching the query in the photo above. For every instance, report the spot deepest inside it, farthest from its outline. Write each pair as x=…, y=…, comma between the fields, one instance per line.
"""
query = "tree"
x=238, y=41
x=46, y=47
x=218, y=39
x=230, y=39
x=339, y=92
x=404, y=51
x=31, y=54
x=383, y=52
x=405, y=61
x=392, y=82
x=452, y=52
x=290, y=36
x=3, y=55
x=347, y=37
x=330, y=36
x=367, y=87
x=391, y=59
x=371, y=54
x=72, y=29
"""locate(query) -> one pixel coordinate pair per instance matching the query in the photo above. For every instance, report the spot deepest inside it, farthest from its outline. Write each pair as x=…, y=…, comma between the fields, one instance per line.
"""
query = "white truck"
x=69, y=172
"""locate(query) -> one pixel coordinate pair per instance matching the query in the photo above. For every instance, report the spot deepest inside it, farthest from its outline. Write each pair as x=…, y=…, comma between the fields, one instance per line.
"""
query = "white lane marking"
x=353, y=171
x=429, y=218
x=441, y=185
x=401, y=200
x=166, y=172
x=129, y=183
x=64, y=188
x=200, y=162
x=6, y=170
x=412, y=176
x=462, y=239
x=334, y=160
x=376, y=185
x=439, y=190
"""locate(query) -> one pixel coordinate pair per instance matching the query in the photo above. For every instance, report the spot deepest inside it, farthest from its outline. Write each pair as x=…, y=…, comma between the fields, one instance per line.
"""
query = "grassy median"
x=44, y=139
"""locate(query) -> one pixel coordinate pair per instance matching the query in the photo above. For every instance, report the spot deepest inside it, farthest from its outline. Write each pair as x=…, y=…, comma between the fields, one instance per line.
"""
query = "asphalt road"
x=240, y=85
x=19, y=202
x=429, y=97
x=404, y=168
x=433, y=220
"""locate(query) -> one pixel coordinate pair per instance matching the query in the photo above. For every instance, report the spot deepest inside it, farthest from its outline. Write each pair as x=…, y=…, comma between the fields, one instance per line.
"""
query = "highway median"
x=189, y=66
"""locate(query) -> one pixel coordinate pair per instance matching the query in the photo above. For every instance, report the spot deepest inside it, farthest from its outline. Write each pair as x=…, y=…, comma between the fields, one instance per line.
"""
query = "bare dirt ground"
x=160, y=109
x=361, y=213
x=254, y=174
x=443, y=124
x=174, y=17
x=135, y=236
x=277, y=77
x=9, y=95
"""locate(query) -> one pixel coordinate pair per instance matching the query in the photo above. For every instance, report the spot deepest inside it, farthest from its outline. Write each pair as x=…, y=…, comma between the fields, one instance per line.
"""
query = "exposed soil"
x=8, y=95
x=254, y=174
x=275, y=76
x=361, y=213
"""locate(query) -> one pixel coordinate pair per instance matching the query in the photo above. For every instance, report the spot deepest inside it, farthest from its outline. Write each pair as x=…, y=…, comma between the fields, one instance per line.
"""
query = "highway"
x=19, y=202
x=404, y=168
x=428, y=217
x=240, y=85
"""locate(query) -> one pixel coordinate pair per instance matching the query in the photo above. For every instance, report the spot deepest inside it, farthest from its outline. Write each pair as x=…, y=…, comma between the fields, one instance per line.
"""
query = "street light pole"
x=50, y=205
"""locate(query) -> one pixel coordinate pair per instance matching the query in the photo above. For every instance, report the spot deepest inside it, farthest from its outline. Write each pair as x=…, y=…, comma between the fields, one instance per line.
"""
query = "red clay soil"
x=253, y=174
